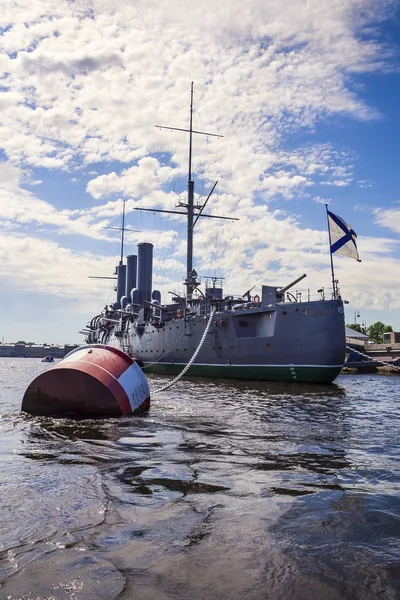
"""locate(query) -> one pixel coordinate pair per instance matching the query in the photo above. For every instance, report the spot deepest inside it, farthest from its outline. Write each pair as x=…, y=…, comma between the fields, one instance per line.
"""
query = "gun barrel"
x=287, y=287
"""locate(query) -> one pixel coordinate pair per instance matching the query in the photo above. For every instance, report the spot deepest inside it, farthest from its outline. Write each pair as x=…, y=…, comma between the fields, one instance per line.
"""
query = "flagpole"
x=330, y=252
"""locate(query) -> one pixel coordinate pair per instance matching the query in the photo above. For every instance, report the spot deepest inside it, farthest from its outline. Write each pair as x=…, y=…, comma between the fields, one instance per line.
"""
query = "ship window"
x=231, y=347
x=284, y=313
x=243, y=323
x=305, y=311
x=269, y=315
x=268, y=345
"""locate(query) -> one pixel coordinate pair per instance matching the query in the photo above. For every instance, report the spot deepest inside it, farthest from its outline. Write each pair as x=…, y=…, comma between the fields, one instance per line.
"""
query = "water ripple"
x=224, y=490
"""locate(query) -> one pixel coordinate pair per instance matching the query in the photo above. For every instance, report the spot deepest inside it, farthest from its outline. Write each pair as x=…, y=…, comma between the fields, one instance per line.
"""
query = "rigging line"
x=214, y=248
x=206, y=160
x=168, y=250
x=172, y=142
x=176, y=182
x=217, y=262
x=235, y=250
x=159, y=225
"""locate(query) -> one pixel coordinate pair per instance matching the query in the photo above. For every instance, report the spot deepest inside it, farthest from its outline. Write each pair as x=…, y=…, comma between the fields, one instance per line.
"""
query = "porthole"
x=305, y=311
x=268, y=345
x=284, y=313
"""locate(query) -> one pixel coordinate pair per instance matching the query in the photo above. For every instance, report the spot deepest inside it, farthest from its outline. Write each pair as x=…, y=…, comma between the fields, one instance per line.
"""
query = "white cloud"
x=83, y=86
x=40, y=265
x=136, y=181
x=389, y=218
x=94, y=87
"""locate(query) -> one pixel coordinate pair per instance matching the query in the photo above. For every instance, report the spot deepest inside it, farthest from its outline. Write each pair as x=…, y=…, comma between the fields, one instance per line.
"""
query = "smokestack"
x=121, y=278
x=131, y=274
x=145, y=271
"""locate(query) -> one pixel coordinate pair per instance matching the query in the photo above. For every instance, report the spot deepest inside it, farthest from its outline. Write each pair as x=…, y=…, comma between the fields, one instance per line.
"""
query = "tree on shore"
x=376, y=330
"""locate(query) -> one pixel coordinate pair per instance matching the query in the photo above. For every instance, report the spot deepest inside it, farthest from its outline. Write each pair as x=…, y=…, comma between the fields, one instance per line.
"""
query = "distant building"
x=353, y=336
x=391, y=337
x=22, y=350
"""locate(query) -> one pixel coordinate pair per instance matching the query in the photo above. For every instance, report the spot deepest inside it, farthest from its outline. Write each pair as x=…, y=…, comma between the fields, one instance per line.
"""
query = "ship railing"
x=107, y=320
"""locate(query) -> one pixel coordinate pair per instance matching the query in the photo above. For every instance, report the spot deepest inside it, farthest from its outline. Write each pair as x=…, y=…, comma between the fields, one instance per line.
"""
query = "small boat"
x=48, y=359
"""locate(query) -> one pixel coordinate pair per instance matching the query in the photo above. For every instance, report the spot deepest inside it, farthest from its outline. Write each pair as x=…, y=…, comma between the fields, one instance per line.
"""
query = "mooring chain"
x=181, y=374
x=386, y=364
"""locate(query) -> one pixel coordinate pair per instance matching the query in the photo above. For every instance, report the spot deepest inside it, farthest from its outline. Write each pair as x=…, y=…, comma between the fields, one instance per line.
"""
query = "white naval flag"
x=342, y=237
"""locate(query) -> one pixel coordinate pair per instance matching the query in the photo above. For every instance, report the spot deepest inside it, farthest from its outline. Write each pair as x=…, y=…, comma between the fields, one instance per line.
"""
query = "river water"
x=222, y=491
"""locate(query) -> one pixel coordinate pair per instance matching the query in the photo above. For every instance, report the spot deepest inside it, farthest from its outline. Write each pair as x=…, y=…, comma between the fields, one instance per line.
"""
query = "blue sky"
x=305, y=95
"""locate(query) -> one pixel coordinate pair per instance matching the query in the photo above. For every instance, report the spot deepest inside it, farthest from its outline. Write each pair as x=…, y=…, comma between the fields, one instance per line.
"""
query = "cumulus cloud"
x=389, y=218
x=136, y=181
x=83, y=86
x=20, y=207
x=82, y=83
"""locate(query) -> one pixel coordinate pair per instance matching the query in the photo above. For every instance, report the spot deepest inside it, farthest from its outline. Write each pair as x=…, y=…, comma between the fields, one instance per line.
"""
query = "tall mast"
x=122, y=233
x=190, y=281
x=334, y=294
x=122, y=230
x=189, y=258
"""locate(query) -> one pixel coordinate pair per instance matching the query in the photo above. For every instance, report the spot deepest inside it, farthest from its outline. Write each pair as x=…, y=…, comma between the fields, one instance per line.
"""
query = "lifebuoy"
x=179, y=313
x=257, y=299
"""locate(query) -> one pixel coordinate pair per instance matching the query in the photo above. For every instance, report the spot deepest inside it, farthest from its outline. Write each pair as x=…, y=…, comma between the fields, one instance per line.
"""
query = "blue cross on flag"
x=342, y=237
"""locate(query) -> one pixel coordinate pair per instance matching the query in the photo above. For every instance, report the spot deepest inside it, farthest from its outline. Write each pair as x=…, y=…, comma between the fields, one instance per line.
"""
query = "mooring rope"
x=370, y=359
x=181, y=374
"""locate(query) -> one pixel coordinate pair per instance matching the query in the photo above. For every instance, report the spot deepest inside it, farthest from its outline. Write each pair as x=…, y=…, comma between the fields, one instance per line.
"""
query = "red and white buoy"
x=90, y=380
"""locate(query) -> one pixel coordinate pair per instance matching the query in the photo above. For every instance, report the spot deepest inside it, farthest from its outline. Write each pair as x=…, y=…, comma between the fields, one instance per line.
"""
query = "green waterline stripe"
x=263, y=366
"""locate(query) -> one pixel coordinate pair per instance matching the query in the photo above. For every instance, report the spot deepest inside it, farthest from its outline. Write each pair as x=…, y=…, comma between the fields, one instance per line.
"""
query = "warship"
x=272, y=336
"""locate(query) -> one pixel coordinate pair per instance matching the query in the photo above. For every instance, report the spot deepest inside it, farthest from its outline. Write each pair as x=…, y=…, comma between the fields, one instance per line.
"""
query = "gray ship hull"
x=291, y=341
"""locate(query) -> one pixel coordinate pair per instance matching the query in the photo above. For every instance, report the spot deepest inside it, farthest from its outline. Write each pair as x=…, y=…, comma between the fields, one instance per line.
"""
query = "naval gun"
x=280, y=291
